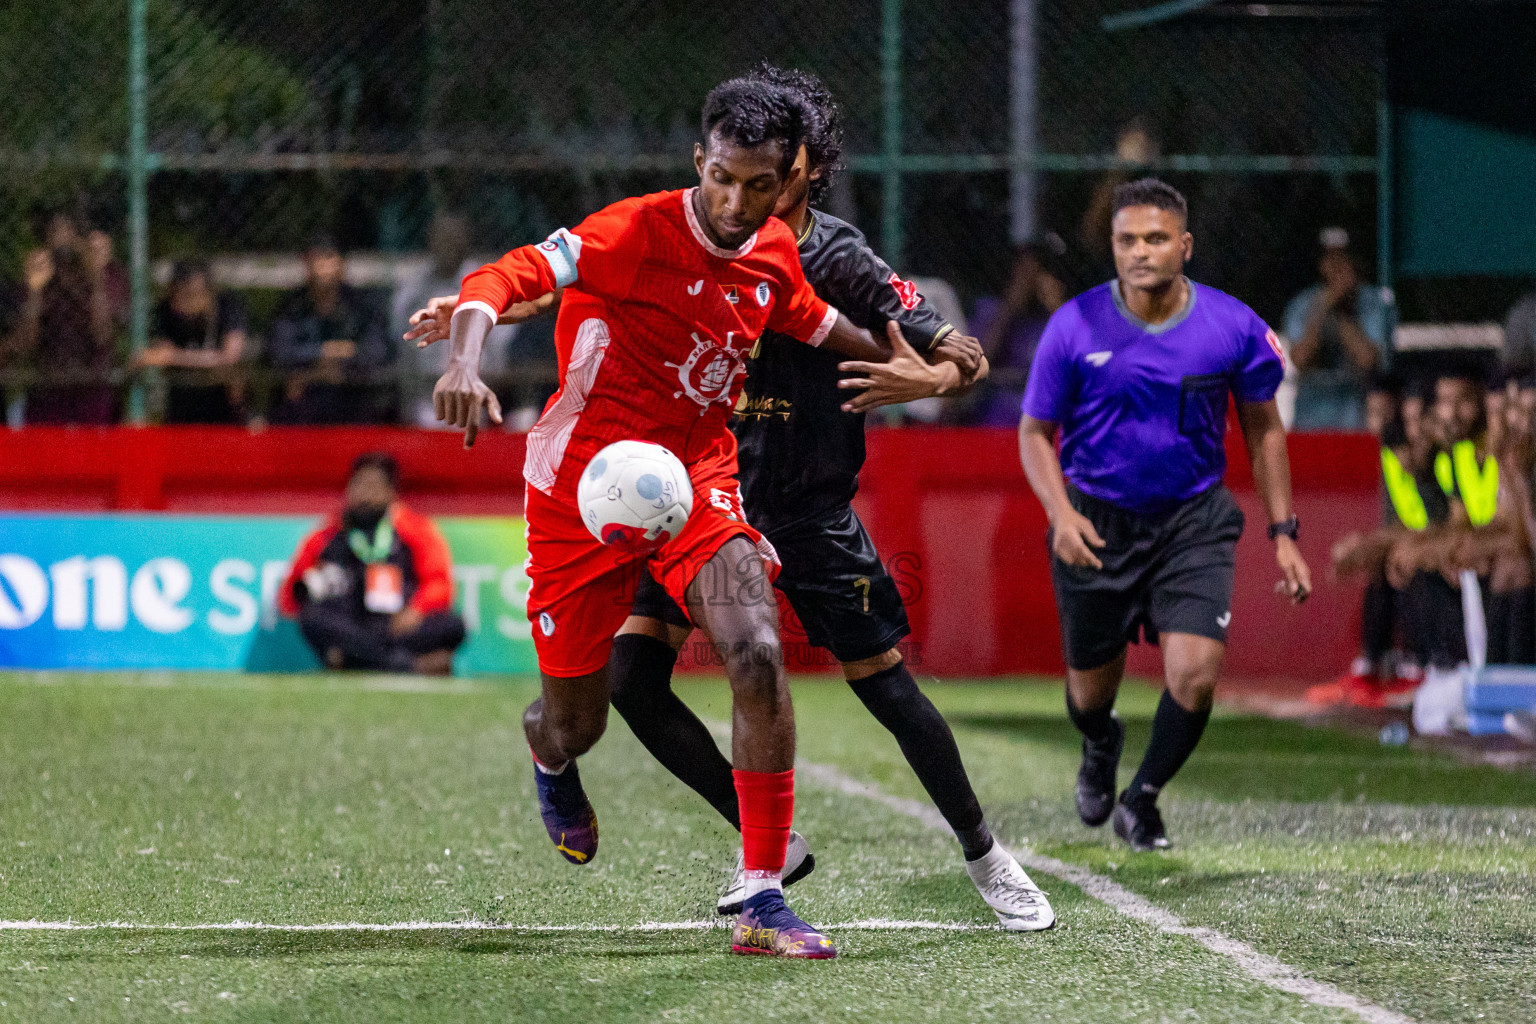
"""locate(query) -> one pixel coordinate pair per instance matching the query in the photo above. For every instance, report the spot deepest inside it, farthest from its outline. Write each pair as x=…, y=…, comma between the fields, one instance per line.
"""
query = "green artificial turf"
x=1399, y=875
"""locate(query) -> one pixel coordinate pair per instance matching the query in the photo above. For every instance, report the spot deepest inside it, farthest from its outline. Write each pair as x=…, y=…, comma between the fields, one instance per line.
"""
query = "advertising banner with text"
x=167, y=591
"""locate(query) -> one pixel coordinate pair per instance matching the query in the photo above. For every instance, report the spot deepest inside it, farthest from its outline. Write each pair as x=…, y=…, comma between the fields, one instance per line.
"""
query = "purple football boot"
x=568, y=815
x=768, y=927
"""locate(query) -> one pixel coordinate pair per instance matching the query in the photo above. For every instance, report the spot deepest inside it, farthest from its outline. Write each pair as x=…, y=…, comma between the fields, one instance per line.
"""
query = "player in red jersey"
x=663, y=299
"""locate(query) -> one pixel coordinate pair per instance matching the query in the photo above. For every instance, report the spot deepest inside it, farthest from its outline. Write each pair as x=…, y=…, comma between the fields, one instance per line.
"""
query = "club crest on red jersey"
x=709, y=371
x=732, y=295
x=906, y=291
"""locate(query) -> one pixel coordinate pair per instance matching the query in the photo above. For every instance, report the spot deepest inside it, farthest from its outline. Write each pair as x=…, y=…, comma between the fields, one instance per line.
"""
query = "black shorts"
x=835, y=582
x=1168, y=573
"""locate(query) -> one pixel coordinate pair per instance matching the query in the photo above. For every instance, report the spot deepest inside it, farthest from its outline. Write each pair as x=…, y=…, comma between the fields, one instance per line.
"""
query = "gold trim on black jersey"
x=810, y=225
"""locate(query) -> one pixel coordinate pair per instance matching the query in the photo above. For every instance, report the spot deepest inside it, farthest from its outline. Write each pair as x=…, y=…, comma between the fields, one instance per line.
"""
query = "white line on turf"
x=871, y=925
x=1260, y=966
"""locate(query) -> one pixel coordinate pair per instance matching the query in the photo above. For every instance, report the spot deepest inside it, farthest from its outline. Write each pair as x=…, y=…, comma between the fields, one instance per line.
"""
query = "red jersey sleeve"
x=304, y=560
x=601, y=256
x=801, y=313
x=430, y=559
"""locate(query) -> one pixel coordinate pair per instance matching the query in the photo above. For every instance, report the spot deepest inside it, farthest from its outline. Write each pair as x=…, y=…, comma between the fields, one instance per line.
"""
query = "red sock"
x=767, y=802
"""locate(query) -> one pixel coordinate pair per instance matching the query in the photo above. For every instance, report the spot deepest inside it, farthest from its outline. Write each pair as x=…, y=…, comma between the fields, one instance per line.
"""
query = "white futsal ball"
x=634, y=494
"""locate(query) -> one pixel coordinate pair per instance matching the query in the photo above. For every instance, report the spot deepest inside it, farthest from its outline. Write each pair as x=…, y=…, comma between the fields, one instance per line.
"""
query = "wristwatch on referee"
x=1289, y=528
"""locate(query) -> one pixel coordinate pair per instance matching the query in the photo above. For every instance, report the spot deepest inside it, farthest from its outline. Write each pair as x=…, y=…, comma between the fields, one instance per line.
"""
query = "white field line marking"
x=1260, y=966
x=871, y=925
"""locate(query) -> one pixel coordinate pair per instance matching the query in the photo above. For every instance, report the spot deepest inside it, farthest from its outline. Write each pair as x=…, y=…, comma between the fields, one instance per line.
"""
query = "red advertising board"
x=948, y=507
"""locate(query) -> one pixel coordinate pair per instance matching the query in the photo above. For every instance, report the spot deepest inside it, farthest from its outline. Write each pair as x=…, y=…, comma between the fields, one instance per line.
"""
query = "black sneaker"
x=1096, y=777
x=1139, y=824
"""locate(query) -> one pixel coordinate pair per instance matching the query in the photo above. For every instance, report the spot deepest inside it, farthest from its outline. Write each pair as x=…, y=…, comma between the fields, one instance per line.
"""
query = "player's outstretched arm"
x=430, y=323
x=1265, y=436
x=460, y=394
x=1073, y=536
x=905, y=377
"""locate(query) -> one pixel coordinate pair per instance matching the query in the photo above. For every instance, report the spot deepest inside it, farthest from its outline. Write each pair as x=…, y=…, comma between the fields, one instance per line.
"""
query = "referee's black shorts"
x=834, y=580
x=1166, y=573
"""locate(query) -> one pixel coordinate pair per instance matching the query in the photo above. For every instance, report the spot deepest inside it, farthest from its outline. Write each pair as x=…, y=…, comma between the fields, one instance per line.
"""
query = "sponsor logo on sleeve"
x=764, y=293
x=906, y=291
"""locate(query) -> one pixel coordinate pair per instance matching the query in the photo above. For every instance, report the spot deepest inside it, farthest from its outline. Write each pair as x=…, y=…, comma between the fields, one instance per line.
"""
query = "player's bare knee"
x=754, y=661
x=1194, y=685
x=580, y=733
x=573, y=730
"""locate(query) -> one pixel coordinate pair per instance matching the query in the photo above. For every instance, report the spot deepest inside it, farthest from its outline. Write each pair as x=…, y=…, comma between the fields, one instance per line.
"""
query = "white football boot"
x=798, y=862
x=1017, y=901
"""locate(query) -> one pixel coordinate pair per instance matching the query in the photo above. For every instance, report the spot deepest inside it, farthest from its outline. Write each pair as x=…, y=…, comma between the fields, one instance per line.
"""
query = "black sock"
x=1378, y=620
x=892, y=696
x=1097, y=724
x=640, y=670
x=1174, y=735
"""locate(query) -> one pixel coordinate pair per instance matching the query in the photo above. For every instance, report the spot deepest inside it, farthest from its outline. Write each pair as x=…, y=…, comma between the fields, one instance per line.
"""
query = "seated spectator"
x=68, y=312
x=1009, y=328
x=1413, y=501
x=1494, y=542
x=1484, y=532
x=448, y=244
x=328, y=340
x=1340, y=332
x=372, y=588
x=196, y=328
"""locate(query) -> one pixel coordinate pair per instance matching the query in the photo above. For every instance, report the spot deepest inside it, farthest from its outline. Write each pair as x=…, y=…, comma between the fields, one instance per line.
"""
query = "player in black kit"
x=799, y=425
x=801, y=442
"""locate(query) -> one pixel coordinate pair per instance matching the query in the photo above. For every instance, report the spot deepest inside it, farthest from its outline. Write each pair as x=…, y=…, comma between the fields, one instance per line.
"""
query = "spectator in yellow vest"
x=1412, y=502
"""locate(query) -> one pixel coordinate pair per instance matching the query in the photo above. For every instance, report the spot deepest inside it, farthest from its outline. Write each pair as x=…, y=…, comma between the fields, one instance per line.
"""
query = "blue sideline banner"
x=171, y=591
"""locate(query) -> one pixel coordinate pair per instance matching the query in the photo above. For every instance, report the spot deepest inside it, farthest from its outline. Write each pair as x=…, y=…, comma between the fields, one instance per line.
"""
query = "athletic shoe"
x=1012, y=895
x=1398, y=691
x=1140, y=824
x=567, y=813
x=1388, y=693
x=1353, y=687
x=768, y=927
x=798, y=862
x=1096, y=777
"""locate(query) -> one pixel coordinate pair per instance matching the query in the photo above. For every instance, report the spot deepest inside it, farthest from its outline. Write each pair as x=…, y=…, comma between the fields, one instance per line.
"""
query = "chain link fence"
x=269, y=124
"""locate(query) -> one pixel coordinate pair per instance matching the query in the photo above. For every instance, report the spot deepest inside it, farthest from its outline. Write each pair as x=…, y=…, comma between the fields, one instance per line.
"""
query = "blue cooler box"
x=1497, y=689
x=1486, y=723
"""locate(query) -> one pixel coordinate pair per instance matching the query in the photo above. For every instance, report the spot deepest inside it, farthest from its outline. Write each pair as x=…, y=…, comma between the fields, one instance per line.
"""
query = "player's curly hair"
x=750, y=112
x=823, y=131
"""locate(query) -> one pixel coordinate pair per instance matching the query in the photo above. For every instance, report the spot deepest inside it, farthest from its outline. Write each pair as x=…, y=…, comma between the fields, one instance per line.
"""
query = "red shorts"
x=580, y=591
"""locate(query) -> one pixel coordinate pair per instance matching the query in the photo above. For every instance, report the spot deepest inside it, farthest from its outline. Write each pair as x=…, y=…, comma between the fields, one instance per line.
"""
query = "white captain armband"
x=562, y=250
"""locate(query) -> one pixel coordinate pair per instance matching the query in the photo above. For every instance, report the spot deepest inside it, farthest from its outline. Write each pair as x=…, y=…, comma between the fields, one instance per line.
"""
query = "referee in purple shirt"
x=1134, y=375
